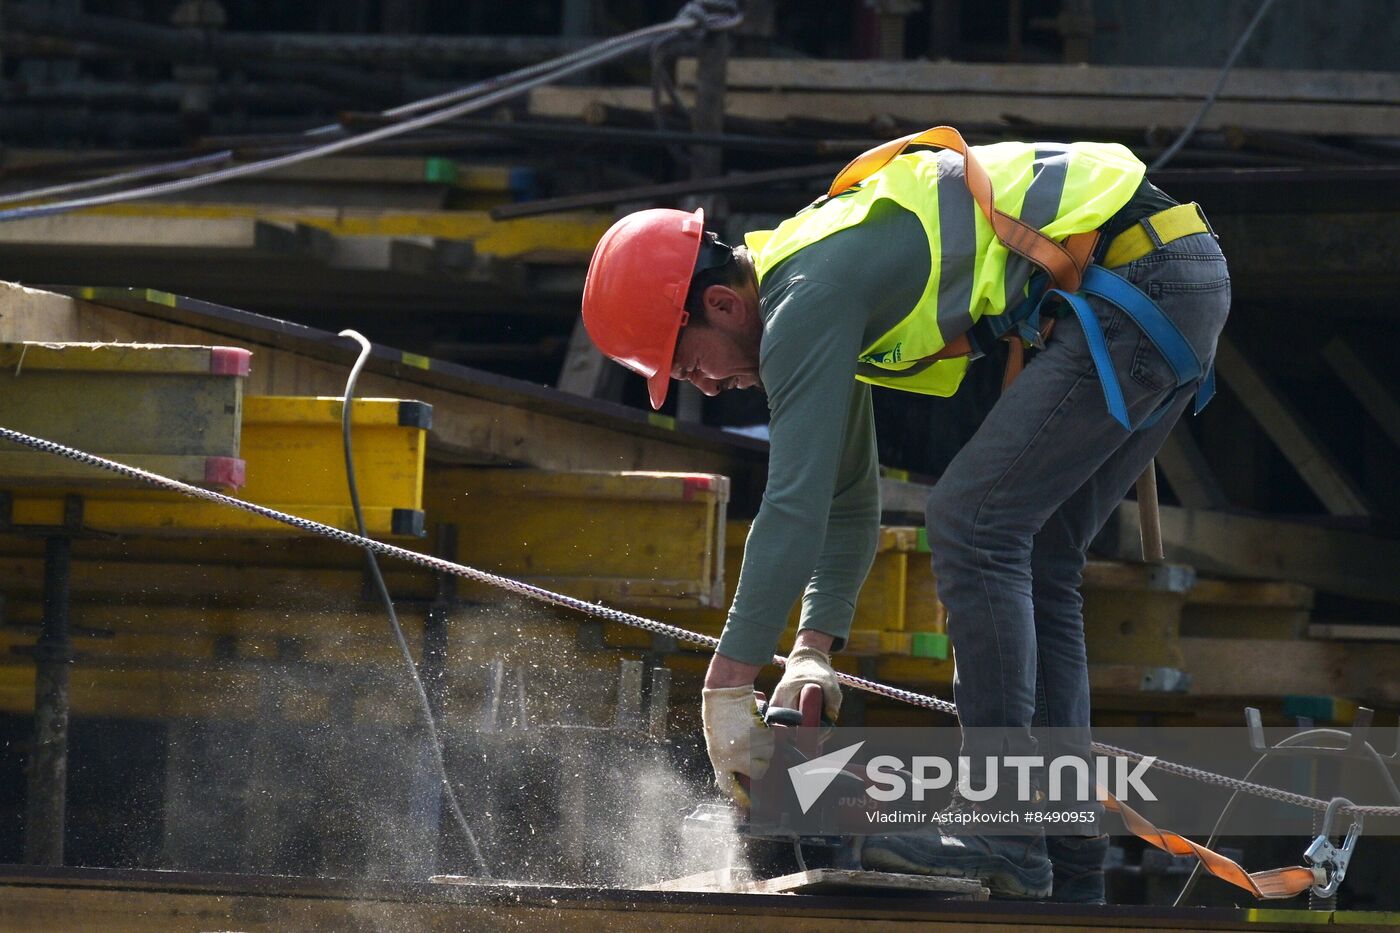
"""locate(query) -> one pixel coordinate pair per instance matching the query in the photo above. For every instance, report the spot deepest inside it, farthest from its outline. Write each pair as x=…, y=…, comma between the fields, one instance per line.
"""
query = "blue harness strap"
x=1159, y=329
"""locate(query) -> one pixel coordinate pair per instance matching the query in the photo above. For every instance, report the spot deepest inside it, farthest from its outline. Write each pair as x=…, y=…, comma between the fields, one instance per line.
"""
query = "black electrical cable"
x=695, y=15
x=462, y=93
x=434, y=740
x=1209, y=102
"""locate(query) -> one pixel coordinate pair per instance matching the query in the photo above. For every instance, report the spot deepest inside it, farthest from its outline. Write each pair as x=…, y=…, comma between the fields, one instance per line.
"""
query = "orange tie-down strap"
x=1274, y=883
x=1063, y=263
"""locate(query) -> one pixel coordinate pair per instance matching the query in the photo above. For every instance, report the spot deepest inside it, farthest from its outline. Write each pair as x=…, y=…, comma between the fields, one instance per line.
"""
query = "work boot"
x=1009, y=866
x=1078, y=863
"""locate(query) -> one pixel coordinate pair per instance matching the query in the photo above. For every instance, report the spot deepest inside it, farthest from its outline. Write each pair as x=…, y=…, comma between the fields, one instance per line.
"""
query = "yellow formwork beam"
x=564, y=236
x=295, y=455
x=635, y=539
x=172, y=409
x=897, y=596
x=294, y=463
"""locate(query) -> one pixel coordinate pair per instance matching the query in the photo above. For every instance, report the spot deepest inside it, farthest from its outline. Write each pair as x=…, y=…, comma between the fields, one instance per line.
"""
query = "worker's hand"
x=808, y=665
x=731, y=715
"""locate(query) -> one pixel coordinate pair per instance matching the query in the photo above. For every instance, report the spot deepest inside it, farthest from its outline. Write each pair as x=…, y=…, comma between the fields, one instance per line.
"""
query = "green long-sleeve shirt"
x=817, y=527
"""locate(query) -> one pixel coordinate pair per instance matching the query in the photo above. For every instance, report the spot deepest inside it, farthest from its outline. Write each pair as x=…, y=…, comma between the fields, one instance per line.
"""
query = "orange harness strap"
x=1063, y=263
x=1274, y=883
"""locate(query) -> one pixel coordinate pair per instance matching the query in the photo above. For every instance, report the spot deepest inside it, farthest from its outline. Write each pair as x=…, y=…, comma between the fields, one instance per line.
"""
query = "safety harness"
x=1069, y=272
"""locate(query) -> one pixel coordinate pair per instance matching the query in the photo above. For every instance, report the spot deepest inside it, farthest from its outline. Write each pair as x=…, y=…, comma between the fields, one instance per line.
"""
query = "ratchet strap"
x=1271, y=884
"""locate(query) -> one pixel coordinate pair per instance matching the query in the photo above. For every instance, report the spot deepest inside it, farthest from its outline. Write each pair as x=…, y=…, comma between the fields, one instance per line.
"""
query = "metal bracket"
x=1355, y=747
x=1328, y=860
x=1164, y=680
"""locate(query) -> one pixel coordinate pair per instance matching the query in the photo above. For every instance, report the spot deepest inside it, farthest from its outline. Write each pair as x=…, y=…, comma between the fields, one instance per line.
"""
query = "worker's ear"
x=725, y=308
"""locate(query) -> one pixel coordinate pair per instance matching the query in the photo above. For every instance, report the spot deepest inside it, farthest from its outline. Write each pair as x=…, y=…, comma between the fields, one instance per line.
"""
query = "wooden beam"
x=67, y=900
x=1345, y=562
x=1366, y=384
x=960, y=108
x=586, y=371
x=477, y=416
x=836, y=881
x=1187, y=472
x=964, y=78
x=1343, y=631
x=558, y=238
x=1339, y=495
x=1356, y=254
x=1271, y=667
x=133, y=233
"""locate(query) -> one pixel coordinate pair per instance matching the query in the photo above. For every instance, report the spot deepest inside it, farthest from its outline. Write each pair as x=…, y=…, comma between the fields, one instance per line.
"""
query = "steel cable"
x=439, y=565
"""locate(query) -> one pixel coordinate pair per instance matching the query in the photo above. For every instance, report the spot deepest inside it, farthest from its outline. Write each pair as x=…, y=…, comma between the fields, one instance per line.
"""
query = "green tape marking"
x=1318, y=708
x=661, y=421
x=416, y=361
x=921, y=544
x=929, y=645
x=440, y=171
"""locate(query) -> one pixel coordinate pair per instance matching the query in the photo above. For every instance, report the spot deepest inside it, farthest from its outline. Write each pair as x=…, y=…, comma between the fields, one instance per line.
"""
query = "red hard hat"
x=634, y=296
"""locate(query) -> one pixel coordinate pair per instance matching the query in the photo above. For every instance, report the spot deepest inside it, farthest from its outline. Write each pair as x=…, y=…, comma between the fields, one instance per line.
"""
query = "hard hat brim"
x=659, y=385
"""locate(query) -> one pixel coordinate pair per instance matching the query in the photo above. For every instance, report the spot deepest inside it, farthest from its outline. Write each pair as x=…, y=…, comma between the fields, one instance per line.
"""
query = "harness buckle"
x=1329, y=862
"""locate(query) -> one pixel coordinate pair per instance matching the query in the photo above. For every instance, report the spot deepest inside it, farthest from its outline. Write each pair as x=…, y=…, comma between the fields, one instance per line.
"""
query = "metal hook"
x=1327, y=860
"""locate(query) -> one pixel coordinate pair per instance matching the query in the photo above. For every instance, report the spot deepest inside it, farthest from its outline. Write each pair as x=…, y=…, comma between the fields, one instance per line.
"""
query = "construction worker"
x=899, y=279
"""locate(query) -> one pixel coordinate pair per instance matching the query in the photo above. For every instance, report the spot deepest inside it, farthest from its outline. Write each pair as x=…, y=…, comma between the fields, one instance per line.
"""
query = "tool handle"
x=782, y=716
x=811, y=704
x=1149, y=515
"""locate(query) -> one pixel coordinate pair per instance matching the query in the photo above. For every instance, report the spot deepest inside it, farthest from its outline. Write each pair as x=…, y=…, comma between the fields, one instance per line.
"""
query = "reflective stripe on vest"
x=1061, y=189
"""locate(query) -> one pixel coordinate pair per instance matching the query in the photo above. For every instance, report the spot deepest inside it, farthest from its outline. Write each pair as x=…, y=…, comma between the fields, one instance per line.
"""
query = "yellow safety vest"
x=1059, y=188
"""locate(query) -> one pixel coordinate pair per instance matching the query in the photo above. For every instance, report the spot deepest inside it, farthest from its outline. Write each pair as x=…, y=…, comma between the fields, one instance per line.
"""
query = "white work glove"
x=730, y=715
x=808, y=665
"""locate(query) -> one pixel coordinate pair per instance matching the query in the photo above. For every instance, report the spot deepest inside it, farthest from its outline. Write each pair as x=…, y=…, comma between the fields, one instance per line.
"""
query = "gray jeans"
x=1010, y=520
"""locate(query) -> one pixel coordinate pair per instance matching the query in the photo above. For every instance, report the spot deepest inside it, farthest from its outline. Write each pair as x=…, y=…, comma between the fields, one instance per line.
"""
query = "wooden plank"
x=1269, y=667
x=1139, y=627
x=146, y=232
x=966, y=109
x=1247, y=609
x=567, y=237
x=1339, y=495
x=1095, y=81
x=476, y=416
x=1272, y=594
x=372, y=169
x=37, y=900
x=838, y=882
x=1138, y=577
x=1187, y=472
x=586, y=370
x=646, y=538
x=1366, y=384
x=718, y=879
x=1346, y=562
x=1341, y=631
